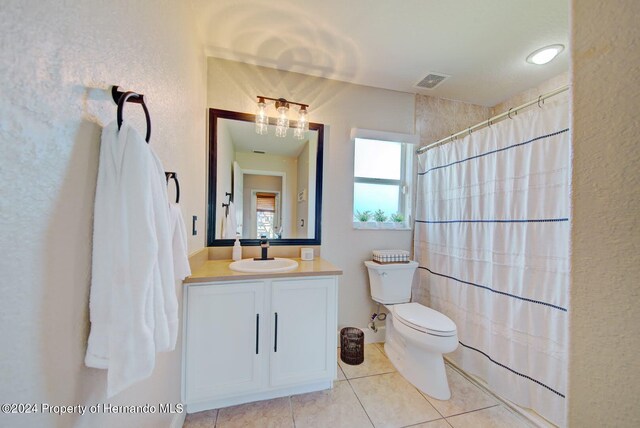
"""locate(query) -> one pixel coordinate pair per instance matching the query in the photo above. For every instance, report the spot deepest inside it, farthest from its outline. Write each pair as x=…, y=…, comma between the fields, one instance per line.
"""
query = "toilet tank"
x=391, y=283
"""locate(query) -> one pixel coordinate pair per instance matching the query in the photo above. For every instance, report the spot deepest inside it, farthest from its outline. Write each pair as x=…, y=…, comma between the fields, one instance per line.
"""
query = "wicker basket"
x=390, y=256
x=352, y=345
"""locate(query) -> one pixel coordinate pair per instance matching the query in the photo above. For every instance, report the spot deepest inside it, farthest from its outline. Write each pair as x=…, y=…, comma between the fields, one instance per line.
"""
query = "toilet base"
x=423, y=368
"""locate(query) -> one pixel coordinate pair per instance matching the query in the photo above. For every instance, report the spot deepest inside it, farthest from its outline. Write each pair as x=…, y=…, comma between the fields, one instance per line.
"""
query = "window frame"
x=405, y=182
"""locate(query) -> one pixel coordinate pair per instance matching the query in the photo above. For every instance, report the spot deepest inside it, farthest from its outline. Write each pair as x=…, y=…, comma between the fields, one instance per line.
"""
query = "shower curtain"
x=492, y=241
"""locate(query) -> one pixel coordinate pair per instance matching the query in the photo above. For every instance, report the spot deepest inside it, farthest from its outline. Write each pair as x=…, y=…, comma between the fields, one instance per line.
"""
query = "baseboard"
x=178, y=420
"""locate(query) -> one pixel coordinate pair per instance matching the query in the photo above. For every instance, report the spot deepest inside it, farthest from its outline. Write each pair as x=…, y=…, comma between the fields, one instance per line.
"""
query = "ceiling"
x=481, y=45
x=245, y=139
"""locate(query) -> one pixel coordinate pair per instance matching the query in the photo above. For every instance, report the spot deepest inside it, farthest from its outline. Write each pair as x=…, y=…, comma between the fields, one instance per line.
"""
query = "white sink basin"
x=264, y=266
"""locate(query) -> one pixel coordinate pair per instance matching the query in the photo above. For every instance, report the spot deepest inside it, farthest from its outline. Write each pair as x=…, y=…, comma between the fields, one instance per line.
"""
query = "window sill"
x=357, y=225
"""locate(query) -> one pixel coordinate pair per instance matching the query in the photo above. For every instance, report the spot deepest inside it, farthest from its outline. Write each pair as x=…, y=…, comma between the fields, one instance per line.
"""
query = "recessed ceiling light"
x=545, y=54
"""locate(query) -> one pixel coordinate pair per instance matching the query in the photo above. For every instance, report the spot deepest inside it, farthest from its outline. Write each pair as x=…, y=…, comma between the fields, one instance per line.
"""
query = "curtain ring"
x=540, y=99
x=509, y=113
x=489, y=122
x=469, y=130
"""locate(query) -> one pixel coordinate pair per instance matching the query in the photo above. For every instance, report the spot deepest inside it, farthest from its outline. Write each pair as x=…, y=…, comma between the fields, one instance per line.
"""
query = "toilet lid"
x=424, y=319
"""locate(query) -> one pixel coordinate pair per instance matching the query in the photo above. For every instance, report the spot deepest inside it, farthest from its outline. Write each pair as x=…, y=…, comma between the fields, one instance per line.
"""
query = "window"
x=381, y=183
x=266, y=215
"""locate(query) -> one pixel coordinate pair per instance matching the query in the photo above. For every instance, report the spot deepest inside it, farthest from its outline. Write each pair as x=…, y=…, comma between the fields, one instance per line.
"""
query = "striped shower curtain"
x=492, y=240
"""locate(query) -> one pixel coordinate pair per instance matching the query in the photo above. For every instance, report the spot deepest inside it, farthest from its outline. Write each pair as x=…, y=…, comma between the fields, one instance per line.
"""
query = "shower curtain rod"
x=494, y=119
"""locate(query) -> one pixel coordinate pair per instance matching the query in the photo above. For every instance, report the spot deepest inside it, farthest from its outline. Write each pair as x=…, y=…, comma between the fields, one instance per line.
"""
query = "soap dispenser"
x=237, y=250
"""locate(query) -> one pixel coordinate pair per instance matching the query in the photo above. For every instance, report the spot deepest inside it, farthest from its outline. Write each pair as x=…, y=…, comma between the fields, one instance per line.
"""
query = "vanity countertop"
x=218, y=270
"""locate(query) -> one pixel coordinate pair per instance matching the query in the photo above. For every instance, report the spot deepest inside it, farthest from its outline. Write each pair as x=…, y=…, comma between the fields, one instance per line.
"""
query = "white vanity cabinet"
x=304, y=317
x=248, y=340
x=223, y=335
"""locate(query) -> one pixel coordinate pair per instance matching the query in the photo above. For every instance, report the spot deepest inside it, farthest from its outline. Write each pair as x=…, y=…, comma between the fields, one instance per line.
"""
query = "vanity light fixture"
x=544, y=55
x=282, y=120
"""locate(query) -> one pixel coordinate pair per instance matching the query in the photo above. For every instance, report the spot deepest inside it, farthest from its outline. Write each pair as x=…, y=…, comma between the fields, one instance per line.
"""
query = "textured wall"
x=437, y=118
x=604, y=366
x=340, y=106
x=533, y=93
x=56, y=61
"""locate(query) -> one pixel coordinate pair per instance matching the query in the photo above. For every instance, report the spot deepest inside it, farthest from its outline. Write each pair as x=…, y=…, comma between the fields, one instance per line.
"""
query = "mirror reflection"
x=265, y=185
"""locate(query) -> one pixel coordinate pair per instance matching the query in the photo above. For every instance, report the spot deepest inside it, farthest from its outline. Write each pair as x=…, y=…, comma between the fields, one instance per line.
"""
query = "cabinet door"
x=303, y=330
x=223, y=337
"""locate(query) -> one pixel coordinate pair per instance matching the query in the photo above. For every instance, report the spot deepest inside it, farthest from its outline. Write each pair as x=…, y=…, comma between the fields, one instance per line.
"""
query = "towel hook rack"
x=226, y=206
x=172, y=175
x=121, y=98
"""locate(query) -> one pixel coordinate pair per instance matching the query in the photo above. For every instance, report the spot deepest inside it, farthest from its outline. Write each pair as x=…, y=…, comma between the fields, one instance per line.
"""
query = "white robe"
x=166, y=306
x=181, y=266
x=133, y=305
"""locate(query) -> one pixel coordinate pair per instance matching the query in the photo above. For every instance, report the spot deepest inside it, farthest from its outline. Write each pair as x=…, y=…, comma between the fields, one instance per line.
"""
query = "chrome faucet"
x=264, y=246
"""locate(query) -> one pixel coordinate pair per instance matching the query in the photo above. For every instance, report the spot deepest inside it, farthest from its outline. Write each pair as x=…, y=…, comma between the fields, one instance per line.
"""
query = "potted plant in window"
x=398, y=220
x=380, y=217
x=362, y=218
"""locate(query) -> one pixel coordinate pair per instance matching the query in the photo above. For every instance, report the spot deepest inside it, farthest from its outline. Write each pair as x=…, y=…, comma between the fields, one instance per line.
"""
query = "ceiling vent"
x=431, y=81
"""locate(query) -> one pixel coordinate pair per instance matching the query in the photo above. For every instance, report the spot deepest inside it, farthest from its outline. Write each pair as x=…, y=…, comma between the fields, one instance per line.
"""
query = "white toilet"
x=417, y=336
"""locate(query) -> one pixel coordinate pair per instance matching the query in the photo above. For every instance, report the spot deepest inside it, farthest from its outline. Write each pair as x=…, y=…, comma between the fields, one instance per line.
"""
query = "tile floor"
x=371, y=394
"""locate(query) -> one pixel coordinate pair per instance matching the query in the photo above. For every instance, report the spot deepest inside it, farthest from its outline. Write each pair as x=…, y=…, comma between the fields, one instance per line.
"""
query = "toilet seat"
x=426, y=320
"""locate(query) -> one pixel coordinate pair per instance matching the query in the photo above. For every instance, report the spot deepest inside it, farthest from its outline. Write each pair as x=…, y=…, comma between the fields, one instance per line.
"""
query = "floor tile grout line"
x=378, y=349
x=508, y=406
x=341, y=371
x=443, y=417
x=361, y=405
x=373, y=344
x=385, y=373
x=473, y=383
x=426, y=399
x=293, y=418
x=370, y=375
x=426, y=422
x=471, y=411
x=456, y=414
x=417, y=390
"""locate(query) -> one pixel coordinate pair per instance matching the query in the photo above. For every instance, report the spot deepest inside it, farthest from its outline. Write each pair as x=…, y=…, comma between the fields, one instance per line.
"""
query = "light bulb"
x=282, y=123
x=262, y=120
x=303, y=124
